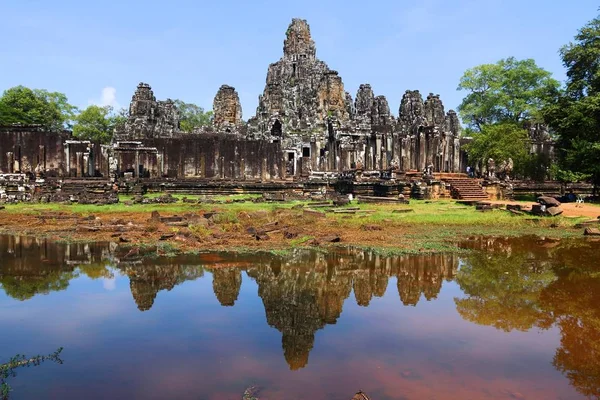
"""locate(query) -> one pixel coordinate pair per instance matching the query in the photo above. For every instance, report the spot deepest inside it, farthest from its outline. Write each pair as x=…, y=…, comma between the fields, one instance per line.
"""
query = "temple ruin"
x=305, y=124
x=307, y=130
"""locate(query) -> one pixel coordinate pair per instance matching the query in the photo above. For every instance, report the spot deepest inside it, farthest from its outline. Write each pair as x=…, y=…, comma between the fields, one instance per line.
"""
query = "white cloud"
x=109, y=284
x=107, y=98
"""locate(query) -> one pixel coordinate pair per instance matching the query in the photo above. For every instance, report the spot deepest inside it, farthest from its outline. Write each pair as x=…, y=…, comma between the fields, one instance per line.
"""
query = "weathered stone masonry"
x=306, y=124
x=307, y=127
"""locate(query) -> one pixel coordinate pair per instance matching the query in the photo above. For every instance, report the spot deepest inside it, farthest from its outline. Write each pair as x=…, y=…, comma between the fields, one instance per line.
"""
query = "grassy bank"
x=435, y=226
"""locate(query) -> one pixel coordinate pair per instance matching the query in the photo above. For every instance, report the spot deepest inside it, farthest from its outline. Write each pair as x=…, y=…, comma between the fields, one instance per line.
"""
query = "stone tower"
x=149, y=118
x=227, y=108
x=301, y=93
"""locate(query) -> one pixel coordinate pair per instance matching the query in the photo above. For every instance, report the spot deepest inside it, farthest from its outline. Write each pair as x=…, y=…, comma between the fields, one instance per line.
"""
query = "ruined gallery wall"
x=24, y=148
x=215, y=156
x=55, y=154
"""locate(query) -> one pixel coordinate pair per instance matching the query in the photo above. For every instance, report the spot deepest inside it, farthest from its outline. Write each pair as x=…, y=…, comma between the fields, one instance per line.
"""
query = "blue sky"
x=98, y=51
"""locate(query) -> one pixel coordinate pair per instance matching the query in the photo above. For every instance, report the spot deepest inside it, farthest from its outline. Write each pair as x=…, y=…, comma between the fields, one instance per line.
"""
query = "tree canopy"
x=192, y=116
x=509, y=91
x=500, y=142
x=575, y=113
x=36, y=106
x=97, y=123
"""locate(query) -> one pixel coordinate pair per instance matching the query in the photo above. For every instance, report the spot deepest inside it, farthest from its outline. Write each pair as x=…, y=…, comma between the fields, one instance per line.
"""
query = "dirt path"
x=569, y=209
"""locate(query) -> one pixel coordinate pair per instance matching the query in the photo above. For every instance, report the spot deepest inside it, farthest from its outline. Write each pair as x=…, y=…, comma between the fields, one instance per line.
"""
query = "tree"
x=510, y=91
x=503, y=291
x=96, y=123
x=575, y=113
x=36, y=106
x=192, y=116
x=500, y=142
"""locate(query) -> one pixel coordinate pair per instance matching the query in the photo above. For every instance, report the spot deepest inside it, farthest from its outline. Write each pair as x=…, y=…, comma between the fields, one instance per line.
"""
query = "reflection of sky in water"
x=187, y=345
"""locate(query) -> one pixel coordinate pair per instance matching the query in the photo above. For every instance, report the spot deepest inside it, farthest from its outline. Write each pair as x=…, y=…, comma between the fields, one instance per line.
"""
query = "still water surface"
x=513, y=319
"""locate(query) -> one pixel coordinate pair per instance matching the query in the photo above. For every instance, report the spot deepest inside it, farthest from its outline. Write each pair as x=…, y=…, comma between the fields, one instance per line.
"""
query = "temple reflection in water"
x=512, y=285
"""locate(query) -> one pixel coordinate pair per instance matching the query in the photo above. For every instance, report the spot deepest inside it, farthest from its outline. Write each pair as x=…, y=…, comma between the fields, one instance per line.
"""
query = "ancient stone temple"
x=149, y=118
x=227, y=109
x=307, y=128
x=307, y=120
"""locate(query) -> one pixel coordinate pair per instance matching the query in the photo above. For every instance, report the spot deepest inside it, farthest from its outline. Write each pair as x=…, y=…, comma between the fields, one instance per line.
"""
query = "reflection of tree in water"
x=502, y=292
x=31, y=266
x=537, y=285
x=574, y=303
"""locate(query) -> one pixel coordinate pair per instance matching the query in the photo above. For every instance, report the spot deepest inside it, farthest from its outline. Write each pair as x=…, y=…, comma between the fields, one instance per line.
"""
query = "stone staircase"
x=464, y=188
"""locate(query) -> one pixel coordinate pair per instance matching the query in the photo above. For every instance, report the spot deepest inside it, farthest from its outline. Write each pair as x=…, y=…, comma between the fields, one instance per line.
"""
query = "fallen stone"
x=88, y=228
x=272, y=226
x=174, y=218
x=314, y=213
x=209, y=215
x=166, y=236
x=516, y=212
x=331, y=239
x=371, y=228
x=341, y=201
x=538, y=209
x=261, y=236
x=290, y=234
x=548, y=201
x=591, y=232
x=554, y=211
x=155, y=216
x=124, y=240
x=516, y=207
x=259, y=214
x=178, y=223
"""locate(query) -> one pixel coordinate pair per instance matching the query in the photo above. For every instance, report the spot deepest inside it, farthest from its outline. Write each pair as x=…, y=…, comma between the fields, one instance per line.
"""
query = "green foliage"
x=567, y=176
x=502, y=291
x=575, y=114
x=97, y=123
x=192, y=116
x=36, y=106
x=7, y=370
x=24, y=289
x=499, y=142
x=510, y=91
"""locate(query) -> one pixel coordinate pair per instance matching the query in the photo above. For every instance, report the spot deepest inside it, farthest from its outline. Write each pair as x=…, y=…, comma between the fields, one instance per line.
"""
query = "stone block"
x=314, y=213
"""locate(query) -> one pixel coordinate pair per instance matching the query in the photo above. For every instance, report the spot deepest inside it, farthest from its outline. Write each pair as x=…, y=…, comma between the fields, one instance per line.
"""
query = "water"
x=514, y=319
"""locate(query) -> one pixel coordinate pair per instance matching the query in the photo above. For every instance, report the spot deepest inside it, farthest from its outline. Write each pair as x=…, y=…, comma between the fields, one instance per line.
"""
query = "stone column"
x=85, y=164
x=67, y=159
x=136, y=169
x=222, y=167
x=263, y=170
x=78, y=158
x=159, y=164
x=10, y=158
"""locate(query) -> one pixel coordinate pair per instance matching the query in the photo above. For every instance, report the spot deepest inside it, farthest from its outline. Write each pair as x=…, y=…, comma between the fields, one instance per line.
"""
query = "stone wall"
x=31, y=150
x=214, y=156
